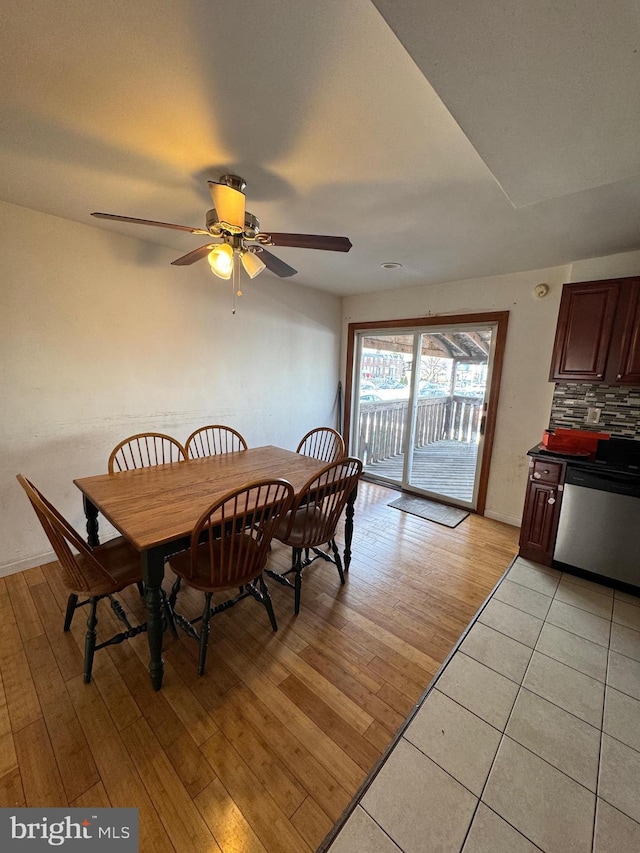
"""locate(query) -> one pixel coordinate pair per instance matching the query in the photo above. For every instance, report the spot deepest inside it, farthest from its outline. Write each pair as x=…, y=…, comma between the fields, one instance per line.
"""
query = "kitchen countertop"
x=628, y=463
x=542, y=452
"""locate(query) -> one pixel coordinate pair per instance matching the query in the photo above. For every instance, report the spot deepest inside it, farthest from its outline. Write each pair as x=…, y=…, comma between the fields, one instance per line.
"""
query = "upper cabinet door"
x=584, y=332
x=629, y=363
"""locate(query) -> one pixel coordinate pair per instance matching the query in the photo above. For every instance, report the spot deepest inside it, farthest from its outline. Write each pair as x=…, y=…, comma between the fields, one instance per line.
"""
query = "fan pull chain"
x=234, y=281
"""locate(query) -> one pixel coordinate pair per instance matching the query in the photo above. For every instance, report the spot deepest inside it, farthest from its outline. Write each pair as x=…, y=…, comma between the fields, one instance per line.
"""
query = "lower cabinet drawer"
x=546, y=471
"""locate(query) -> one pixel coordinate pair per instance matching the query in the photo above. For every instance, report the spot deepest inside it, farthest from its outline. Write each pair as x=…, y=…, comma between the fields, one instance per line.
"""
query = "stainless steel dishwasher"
x=599, y=526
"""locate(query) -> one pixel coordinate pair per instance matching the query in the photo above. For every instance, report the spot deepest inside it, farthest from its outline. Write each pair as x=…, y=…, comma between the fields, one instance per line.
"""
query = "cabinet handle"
x=599, y=376
x=551, y=501
x=619, y=376
x=537, y=475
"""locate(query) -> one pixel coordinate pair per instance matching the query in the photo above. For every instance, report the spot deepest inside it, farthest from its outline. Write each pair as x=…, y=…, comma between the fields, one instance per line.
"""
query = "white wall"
x=101, y=338
x=526, y=393
x=612, y=266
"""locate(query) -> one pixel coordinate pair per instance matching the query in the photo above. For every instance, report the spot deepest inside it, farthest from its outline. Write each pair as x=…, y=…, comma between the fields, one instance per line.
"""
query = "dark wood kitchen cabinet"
x=598, y=333
x=541, y=510
x=629, y=362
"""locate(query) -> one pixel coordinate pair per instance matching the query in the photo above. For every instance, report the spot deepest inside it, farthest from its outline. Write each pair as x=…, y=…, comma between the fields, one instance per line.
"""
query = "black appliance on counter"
x=599, y=524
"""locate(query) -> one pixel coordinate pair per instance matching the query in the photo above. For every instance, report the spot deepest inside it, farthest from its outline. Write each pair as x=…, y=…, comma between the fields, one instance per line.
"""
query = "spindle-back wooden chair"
x=212, y=440
x=145, y=450
x=92, y=573
x=313, y=519
x=322, y=443
x=229, y=549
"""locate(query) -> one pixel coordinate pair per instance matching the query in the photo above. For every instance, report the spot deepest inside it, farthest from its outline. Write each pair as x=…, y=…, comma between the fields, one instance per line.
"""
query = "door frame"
x=499, y=318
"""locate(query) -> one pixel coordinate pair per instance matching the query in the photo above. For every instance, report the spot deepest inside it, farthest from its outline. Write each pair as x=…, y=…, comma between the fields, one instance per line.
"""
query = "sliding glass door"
x=384, y=388
x=420, y=400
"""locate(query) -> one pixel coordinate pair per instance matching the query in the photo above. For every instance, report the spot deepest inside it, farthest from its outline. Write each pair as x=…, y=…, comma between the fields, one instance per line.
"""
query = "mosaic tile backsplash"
x=619, y=405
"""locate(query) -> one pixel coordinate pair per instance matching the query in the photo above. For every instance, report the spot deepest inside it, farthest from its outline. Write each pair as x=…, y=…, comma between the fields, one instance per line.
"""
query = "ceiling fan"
x=239, y=234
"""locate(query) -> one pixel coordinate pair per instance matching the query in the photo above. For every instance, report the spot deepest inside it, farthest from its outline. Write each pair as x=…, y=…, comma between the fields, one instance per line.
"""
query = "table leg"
x=348, y=527
x=91, y=514
x=153, y=573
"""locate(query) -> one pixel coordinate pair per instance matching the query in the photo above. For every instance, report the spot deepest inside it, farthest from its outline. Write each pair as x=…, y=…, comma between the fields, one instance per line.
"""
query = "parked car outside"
x=470, y=392
x=389, y=384
x=370, y=398
x=432, y=389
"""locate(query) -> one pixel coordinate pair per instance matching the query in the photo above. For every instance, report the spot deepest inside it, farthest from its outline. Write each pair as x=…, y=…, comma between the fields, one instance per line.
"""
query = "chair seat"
x=307, y=530
x=119, y=558
x=201, y=578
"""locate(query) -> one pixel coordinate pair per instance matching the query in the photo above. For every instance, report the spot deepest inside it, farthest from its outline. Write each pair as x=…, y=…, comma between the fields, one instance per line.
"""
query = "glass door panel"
x=422, y=428
x=446, y=449
x=384, y=386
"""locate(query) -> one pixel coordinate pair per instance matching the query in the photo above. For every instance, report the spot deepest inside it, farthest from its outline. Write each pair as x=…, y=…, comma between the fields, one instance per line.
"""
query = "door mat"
x=432, y=511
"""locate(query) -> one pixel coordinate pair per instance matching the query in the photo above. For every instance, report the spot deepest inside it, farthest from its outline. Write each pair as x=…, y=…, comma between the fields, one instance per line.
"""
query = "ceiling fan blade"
x=308, y=241
x=276, y=265
x=149, y=222
x=229, y=205
x=194, y=256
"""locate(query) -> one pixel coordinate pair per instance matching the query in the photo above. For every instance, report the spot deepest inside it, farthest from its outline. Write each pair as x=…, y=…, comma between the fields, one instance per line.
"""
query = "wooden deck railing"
x=382, y=428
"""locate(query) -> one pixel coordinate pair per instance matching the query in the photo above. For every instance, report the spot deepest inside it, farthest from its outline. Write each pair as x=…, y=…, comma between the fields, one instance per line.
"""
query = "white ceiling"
x=502, y=136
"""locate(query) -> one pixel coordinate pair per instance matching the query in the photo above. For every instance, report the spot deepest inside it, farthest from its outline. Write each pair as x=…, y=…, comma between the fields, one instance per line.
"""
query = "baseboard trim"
x=28, y=563
x=513, y=520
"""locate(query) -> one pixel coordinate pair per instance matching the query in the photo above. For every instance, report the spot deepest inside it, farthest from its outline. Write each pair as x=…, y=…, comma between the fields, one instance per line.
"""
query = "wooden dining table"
x=156, y=509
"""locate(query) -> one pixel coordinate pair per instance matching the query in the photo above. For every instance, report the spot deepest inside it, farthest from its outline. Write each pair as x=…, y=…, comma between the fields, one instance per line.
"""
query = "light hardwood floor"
x=267, y=749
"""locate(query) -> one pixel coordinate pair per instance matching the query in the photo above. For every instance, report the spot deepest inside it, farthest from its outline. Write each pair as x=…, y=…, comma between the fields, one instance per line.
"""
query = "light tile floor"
x=528, y=740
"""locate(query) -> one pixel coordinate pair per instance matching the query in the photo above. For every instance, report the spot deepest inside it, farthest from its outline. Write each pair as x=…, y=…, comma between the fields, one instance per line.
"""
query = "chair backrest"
x=213, y=439
x=61, y=535
x=318, y=507
x=322, y=443
x=145, y=450
x=237, y=531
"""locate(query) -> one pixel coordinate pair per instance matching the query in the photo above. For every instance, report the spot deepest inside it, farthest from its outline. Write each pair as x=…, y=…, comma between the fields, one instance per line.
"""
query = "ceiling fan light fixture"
x=252, y=263
x=229, y=221
x=221, y=260
x=229, y=202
